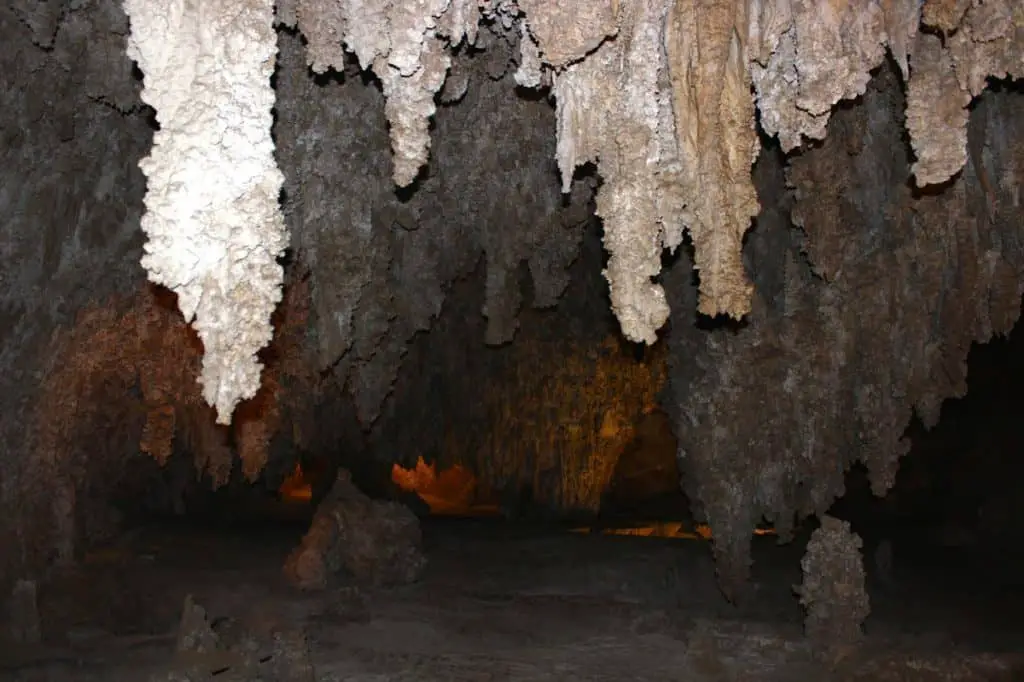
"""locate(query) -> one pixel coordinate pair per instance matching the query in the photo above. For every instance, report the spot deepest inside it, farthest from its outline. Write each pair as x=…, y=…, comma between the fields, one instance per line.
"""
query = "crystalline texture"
x=212, y=215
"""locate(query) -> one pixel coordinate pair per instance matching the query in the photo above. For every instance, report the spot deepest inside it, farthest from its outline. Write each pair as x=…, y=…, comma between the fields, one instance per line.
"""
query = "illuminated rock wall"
x=769, y=410
x=71, y=134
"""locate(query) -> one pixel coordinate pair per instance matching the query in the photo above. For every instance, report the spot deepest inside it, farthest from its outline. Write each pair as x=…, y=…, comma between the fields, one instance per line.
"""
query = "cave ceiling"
x=663, y=95
x=391, y=144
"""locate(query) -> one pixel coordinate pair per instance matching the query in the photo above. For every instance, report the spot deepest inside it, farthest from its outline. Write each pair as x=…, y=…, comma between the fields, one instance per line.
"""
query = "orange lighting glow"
x=667, y=529
x=450, y=493
x=296, y=488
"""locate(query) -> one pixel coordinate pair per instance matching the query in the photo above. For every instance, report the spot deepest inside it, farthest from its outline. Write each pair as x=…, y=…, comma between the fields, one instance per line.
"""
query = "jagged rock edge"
x=637, y=301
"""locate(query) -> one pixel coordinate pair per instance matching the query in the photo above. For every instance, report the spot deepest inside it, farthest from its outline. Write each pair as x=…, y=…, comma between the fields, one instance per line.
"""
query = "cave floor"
x=497, y=602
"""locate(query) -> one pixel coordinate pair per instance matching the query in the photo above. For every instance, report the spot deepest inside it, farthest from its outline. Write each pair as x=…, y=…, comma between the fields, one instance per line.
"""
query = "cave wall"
x=965, y=472
x=863, y=315
x=71, y=134
x=768, y=412
x=541, y=421
x=381, y=260
x=120, y=374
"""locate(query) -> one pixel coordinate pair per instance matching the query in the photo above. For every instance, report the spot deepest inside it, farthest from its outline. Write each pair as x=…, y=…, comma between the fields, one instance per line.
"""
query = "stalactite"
x=212, y=216
x=770, y=416
x=657, y=93
x=380, y=266
x=636, y=95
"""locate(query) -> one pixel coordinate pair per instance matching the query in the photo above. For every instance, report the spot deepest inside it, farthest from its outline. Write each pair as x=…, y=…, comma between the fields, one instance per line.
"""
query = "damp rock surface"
x=833, y=592
x=535, y=603
x=375, y=542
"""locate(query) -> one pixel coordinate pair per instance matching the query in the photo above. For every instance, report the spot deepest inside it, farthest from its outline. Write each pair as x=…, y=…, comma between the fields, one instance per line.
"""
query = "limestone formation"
x=376, y=542
x=426, y=188
x=832, y=592
x=213, y=222
x=380, y=264
x=770, y=416
x=657, y=93
x=670, y=125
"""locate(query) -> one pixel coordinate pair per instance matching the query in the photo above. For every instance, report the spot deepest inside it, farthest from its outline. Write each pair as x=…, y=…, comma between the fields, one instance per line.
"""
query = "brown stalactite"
x=768, y=413
x=714, y=121
x=769, y=417
x=387, y=261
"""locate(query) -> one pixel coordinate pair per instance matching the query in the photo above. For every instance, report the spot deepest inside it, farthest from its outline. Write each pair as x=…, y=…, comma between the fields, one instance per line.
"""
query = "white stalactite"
x=213, y=217
x=674, y=141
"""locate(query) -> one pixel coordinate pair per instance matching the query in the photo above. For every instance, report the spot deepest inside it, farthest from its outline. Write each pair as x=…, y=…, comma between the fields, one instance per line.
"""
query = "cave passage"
x=949, y=532
x=593, y=324
x=639, y=562
x=541, y=491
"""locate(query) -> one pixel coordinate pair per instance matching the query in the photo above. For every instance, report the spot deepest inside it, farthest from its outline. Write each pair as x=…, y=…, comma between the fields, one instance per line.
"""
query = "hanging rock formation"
x=415, y=150
x=212, y=216
x=380, y=264
x=656, y=92
x=769, y=417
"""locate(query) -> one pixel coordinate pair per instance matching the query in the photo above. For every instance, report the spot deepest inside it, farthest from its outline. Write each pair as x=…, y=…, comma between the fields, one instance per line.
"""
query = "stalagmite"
x=658, y=110
x=212, y=216
x=832, y=592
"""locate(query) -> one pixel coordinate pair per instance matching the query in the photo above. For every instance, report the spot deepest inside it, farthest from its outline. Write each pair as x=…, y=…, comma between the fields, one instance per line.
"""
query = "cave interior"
x=470, y=456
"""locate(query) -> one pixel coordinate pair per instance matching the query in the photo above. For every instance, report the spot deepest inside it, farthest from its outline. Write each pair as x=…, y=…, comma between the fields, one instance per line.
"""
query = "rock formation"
x=214, y=226
x=770, y=417
x=440, y=147
x=832, y=592
x=657, y=92
x=376, y=542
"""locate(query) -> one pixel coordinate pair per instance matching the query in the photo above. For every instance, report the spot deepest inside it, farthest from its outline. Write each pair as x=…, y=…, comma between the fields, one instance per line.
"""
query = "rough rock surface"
x=376, y=542
x=234, y=649
x=832, y=592
x=671, y=80
x=381, y=263
x=72, y=199
x=805, y=60
x=128, y=369
x=657, y=93
x=771, y=414
x=212, y=219
x=979, y=40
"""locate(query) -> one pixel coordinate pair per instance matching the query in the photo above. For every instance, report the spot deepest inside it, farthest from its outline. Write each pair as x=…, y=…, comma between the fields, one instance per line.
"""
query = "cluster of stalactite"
x=663, y=96
x=548, y=415
x=868, y=297
x=123, y=378
x=381, y=262
x=861, y=293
